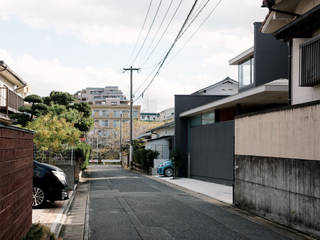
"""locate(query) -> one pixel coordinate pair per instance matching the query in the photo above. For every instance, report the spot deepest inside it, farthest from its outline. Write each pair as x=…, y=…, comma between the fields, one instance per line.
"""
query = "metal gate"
x=212, y=152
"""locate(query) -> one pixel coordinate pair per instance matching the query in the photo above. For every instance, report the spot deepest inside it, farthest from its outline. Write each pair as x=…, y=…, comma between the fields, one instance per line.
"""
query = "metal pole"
x=72, y=156
x=120, y=138
x=131, y=69
x=97, y=147
x=131, y=120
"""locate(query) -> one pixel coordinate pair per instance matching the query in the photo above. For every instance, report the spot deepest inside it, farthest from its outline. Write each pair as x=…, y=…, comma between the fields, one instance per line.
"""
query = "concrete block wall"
x=16, y=172
x=280, y=189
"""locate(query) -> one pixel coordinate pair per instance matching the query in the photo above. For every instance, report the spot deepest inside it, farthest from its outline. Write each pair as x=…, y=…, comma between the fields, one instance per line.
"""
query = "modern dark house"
x=205, y=125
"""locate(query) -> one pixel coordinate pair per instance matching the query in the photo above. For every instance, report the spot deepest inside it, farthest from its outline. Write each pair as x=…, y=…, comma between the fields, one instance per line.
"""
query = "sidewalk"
x=74, y=226
x=219, y=192
x=53, y=215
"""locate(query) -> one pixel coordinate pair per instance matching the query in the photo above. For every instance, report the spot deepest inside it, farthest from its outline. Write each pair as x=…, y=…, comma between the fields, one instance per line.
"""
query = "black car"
x=49, y=183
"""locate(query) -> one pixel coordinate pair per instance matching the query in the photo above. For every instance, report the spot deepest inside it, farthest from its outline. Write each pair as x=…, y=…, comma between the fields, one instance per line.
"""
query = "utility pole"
x=121, y=139
x=98, y=146
x=131, y=69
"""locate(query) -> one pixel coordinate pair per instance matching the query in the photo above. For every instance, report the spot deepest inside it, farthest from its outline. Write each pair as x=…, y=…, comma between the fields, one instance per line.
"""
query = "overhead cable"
x=196, y=31
x=140, y=33
x=147, y=35
x=170, y=49
x=160, y=25
x=164, y=32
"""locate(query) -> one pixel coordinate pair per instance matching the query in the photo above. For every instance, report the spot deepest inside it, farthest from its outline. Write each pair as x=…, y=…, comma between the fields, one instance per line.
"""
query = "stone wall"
x=16, y=172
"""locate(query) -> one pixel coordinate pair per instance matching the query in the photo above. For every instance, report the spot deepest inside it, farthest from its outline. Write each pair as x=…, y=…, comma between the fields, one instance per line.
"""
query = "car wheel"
x=168, y=172
x=38, y=197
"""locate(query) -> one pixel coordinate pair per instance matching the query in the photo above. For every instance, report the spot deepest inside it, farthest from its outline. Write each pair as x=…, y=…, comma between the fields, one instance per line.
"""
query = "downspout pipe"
x=289, y=71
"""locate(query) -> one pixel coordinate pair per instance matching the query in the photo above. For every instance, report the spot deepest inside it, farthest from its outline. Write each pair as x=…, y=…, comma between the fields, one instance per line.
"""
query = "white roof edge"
x=277, y=85
x=242, y=56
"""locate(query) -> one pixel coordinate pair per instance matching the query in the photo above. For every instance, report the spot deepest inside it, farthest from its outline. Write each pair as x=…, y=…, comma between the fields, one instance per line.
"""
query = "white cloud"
x=203, y=61
x=45, y=75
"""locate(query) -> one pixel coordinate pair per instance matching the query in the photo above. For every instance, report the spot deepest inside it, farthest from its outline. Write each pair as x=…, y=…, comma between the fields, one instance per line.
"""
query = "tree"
x=81, y=122
x=83, y=107
x=28, y=112
x=58, y=104
x=53, y=133
x=61, y=98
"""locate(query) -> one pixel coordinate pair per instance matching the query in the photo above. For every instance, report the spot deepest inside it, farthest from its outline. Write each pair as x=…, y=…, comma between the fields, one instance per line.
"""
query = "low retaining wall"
x=280, y=189
x=16, y=172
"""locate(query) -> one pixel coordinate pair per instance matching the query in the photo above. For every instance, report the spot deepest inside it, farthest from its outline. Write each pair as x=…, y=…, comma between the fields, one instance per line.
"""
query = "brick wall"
x=16, y=172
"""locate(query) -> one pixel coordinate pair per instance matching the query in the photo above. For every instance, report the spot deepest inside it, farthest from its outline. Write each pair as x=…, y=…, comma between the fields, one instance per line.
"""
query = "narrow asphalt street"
x=125, y=205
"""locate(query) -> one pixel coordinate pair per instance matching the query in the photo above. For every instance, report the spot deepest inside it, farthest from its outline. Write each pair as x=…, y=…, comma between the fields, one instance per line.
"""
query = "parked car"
x=49, y=183
x=166, y=169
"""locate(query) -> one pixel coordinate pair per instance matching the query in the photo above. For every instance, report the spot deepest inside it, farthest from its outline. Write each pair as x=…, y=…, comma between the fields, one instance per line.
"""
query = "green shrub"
x=145, y=157
x=39, y=232
x=176, y=157
x=82, y=152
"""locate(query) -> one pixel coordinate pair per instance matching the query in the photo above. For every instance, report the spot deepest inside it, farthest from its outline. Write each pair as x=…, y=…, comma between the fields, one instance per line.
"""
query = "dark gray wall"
x=183, y=103
x=283, y=190
x=270, y=57
x=212, y=151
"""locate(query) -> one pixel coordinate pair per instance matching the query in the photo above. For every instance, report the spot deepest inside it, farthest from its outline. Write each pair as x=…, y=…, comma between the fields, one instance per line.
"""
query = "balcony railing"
x=9, y=100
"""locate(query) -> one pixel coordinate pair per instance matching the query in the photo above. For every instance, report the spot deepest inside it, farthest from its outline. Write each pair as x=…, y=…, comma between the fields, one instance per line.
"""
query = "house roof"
x=148, y=134
x=242, y=57
x=270, y=93
x=301, y=27
x=7, y=72
x=276, y=20
x=168, y=124
x=227, y=79
x=156, y=114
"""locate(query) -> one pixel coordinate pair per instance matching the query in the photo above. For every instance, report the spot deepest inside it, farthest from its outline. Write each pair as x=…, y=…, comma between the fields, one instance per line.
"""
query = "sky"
x=70, y=45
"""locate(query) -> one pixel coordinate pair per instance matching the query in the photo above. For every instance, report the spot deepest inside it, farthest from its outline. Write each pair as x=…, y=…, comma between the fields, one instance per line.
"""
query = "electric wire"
x=195, y=32
x=149, y=30
x=160, y=25
x=170, y=49
x=147, y=78
x=195, y=17
x=140, y=33
x=164, y=32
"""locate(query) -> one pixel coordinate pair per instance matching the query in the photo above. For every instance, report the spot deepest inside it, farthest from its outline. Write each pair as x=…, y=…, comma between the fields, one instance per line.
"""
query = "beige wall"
x=291, y=133
x=5, y=82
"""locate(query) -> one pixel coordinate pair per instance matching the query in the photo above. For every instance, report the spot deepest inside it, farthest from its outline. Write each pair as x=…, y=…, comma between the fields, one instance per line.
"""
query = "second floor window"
x=310, y=63
x=246, y=73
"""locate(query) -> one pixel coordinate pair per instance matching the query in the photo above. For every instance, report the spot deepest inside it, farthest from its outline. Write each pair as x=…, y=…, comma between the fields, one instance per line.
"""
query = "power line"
x=196, y=31
x=164, y=32
x=140, y=33
x=160, y=25
x=170, y=49
x=147, y=78
x=196, y=16
x=149, y=30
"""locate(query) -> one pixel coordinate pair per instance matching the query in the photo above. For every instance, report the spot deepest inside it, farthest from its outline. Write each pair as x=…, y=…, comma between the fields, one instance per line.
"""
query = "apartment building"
x=110, y=111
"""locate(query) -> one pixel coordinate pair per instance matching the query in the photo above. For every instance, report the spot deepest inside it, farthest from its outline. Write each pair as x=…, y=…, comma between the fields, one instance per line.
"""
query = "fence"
x=162, y=149
x=65, y=160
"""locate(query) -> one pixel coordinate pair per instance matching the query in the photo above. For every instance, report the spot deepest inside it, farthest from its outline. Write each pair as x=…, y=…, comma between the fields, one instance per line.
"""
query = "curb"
x=61, y=218
x=86, y=224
